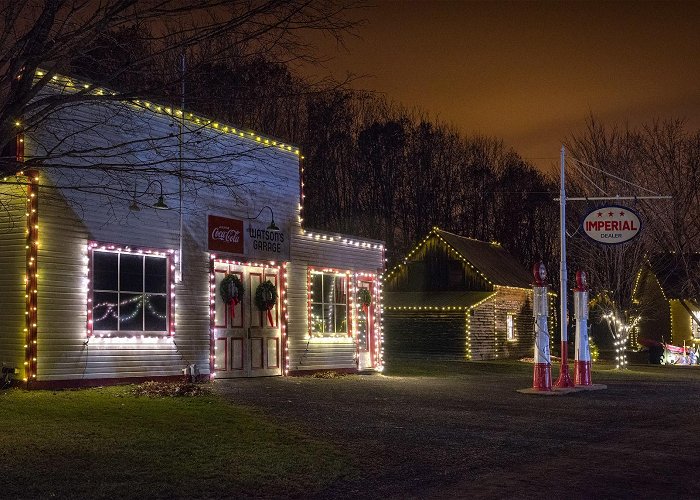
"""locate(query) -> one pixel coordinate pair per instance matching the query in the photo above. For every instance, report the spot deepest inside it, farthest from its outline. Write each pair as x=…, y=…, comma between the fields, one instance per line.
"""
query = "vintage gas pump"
x=542, y=376
x=582, y=357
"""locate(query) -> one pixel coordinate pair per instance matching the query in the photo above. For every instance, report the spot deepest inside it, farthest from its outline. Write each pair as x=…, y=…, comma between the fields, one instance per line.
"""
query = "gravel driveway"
x=471, y=435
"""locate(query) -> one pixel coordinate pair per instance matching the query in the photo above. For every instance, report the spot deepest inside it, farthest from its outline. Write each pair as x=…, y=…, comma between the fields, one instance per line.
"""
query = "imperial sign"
x=611, y=225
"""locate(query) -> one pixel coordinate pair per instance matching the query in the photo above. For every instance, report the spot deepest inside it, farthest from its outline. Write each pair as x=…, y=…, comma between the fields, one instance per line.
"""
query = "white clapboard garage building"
x=129, y=224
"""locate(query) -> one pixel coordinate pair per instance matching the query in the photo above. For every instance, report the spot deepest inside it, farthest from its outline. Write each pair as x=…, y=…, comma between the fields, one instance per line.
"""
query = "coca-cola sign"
x=225, y=235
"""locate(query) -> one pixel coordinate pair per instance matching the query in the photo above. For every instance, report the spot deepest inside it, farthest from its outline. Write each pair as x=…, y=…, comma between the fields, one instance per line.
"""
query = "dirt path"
x=472, y=435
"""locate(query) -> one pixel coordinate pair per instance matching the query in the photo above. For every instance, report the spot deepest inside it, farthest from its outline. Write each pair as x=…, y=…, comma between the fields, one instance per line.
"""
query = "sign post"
x=621, y=225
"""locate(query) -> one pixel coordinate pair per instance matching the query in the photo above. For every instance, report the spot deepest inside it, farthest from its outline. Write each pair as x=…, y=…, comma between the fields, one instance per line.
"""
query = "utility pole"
x=564, y=379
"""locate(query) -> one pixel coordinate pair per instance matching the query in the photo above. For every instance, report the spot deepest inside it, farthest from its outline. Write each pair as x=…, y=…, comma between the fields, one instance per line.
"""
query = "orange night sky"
x=529, y=72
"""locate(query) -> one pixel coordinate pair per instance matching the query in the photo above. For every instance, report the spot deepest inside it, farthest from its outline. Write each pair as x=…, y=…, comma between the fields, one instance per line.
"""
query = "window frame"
x=168, y=294
x=349, y=314
x=510, y=327
x=694, y=326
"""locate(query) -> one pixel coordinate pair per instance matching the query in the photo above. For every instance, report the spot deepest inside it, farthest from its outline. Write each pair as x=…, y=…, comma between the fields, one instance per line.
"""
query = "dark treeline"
x=387, y=173
x=383, y=171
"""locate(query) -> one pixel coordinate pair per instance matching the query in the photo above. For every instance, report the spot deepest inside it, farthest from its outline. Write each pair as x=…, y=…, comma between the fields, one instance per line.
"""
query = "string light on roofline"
x=72, y=83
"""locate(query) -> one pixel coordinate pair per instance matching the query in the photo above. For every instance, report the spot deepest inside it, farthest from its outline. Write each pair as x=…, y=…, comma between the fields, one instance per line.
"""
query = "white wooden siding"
x=69, y=219
x=263, y=175
x=314, y=354
x=12, y=274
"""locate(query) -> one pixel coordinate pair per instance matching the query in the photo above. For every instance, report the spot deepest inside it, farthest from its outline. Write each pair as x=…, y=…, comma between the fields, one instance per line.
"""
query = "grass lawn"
x=109, y=443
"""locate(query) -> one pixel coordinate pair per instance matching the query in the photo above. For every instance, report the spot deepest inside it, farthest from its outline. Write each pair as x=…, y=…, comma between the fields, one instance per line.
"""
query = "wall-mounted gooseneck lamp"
x=159, y=205
x=272, y=226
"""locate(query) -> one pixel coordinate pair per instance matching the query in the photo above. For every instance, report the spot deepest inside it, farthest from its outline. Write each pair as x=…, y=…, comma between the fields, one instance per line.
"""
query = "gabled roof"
x=672, y=269
x=434, y=300
x=490, y=259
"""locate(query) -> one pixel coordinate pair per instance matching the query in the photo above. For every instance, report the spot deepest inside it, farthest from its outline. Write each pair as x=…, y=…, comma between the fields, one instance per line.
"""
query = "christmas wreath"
x=266, y=298
x=231, y=291
x=364, y=297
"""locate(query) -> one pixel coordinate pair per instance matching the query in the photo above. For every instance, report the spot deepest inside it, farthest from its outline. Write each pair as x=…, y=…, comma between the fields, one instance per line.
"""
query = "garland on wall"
x=231, y=290
x=266, y=298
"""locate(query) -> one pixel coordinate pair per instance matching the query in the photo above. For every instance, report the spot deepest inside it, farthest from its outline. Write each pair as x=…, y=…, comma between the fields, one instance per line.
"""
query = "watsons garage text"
x=266, y=241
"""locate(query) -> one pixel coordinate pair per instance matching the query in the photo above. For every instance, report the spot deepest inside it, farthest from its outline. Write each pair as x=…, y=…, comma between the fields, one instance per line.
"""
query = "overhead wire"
x=580, y=171
x=615, y=176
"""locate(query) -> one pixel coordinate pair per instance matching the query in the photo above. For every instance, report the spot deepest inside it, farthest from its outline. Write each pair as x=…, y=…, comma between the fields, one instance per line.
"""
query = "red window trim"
x=326, y=270
x=128, y=249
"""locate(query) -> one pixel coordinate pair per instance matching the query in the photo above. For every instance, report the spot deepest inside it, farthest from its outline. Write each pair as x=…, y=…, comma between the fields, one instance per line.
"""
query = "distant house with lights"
x=458, y=298
x=175, y=271
x=669, y=308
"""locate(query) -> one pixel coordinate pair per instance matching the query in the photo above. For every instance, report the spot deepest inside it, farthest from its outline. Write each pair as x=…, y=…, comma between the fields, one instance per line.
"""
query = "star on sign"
x=610, y=214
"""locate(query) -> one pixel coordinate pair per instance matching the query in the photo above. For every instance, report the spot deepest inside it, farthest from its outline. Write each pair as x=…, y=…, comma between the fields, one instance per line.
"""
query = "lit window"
x=695, y=327
x=510, y=326
x=329, y=304
x=129, y=293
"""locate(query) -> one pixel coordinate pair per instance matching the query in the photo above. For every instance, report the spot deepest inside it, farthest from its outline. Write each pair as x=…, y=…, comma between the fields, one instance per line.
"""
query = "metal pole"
x=564, y=379
x=182, y=126
x=614, y=198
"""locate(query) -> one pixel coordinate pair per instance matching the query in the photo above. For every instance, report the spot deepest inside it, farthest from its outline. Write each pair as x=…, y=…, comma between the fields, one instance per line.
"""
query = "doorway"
x=247, y=341
x=365, y=317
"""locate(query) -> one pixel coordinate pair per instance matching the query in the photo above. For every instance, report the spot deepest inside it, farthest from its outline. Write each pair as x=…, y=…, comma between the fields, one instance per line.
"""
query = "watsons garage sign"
x=250, y=239
x=611, y=225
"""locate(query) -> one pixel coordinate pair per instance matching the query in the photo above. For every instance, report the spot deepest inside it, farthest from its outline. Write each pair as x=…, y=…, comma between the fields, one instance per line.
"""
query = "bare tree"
x=669, y=160
x=126, y=53
x=661, y=157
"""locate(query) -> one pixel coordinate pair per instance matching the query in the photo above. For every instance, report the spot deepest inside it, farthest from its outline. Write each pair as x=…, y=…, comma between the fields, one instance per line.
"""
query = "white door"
x=366, y=342
x=247, y=341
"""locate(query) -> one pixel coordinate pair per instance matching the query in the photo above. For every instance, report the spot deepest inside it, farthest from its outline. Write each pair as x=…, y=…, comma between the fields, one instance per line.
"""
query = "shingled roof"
x=672, y=271
x=491, y=259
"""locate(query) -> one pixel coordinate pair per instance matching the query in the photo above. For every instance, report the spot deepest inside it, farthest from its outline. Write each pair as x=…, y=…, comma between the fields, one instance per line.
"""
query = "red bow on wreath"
x=231, y=291
x=266, y=299
x=232, y=307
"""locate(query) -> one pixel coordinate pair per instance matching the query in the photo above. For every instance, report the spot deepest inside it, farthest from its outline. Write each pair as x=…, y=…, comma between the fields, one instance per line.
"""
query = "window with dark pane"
x=131, y=312
x=105, y=271
x=130, y=273
x=156, y=275
x=156, y=312
x=105, y=311
x=130, y=293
